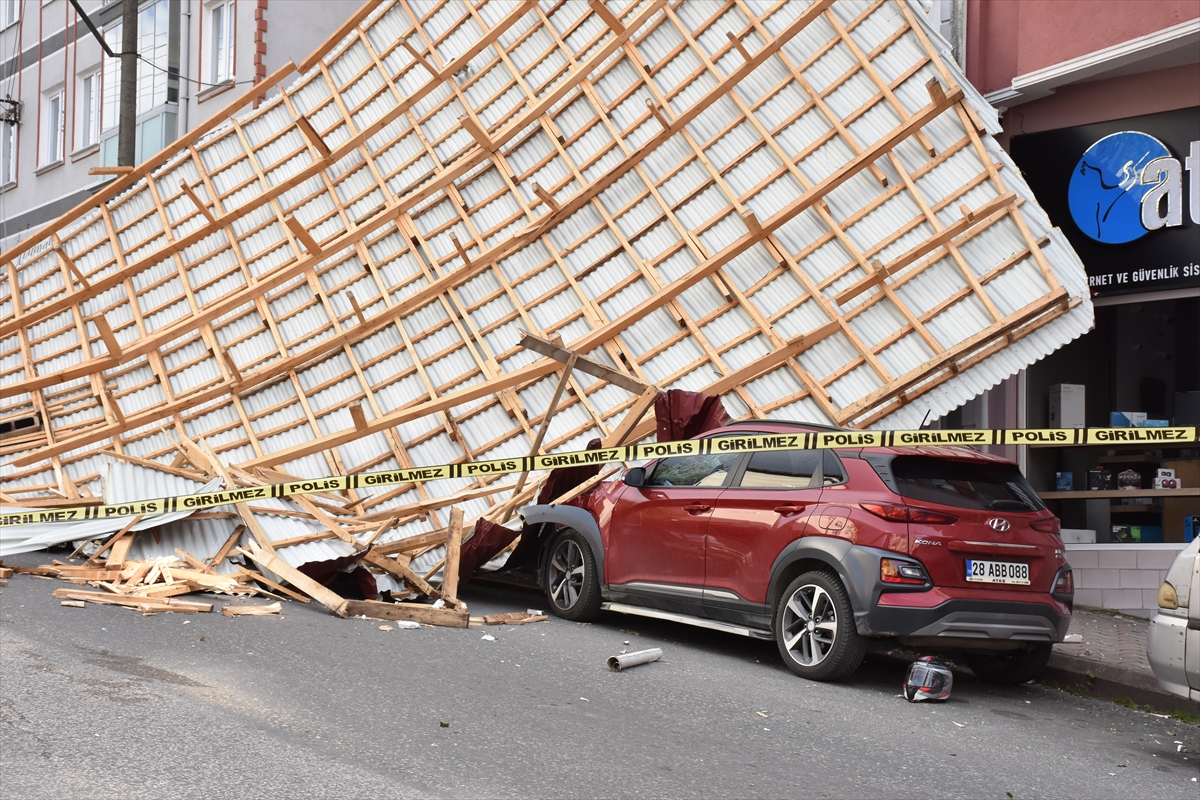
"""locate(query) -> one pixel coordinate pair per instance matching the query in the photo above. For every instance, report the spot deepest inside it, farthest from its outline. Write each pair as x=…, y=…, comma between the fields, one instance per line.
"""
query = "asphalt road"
x=105, y=702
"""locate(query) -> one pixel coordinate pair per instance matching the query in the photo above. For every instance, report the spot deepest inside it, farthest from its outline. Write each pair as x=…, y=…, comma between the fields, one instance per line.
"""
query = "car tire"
x=1010, y=666
x=814, y=628
x=572, y=582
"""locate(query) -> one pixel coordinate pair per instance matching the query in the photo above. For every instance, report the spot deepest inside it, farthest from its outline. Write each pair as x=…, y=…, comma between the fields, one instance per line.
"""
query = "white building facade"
x=59, y=92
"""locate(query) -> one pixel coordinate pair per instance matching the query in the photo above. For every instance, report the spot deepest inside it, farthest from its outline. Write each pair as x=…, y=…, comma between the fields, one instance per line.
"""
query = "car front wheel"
x=572, y=580
x=814, y=628
x=1010, y=666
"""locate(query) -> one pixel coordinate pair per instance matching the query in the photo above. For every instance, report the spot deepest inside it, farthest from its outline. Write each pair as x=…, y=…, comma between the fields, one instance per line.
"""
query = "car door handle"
x=697, y=508
x=794, y=508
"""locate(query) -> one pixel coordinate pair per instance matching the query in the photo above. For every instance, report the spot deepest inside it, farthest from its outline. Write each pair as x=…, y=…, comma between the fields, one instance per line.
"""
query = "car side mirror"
x=635, y=477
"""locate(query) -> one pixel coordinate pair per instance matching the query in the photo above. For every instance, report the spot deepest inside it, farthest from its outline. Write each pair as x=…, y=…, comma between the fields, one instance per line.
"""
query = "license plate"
x=997, y=572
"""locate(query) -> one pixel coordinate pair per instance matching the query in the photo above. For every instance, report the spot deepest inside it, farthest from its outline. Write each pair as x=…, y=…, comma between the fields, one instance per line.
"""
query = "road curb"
x=1113, y=682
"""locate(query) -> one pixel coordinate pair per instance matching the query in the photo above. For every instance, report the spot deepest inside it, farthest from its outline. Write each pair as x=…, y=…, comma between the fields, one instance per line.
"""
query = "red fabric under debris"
x=682, y=415
x=486, y=543
x=564, y=479
x=346, y=583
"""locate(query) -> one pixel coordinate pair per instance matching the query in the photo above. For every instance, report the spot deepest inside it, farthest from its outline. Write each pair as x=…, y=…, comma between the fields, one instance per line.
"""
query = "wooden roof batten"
x=778, y=208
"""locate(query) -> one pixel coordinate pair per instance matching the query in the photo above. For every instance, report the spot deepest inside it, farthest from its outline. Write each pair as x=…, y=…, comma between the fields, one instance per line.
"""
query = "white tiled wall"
x=1120, y=577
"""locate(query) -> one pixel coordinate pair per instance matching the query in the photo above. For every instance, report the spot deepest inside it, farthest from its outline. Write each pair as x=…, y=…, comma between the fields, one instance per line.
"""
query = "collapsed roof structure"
x=795, y=205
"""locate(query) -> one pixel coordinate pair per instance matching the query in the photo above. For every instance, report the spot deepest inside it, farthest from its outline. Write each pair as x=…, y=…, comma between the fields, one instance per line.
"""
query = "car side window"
x=782, y=469
x=709, y=470
x=832, y=471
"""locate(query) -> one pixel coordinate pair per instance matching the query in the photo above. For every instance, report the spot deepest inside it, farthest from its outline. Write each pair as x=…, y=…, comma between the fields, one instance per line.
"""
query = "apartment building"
x=59, y=92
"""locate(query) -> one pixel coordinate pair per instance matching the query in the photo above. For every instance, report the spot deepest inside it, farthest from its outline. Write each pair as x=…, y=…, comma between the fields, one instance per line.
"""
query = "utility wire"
x=191, y=80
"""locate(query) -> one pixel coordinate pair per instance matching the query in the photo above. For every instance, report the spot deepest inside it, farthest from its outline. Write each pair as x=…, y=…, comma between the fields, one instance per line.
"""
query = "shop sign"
x=1130, y=203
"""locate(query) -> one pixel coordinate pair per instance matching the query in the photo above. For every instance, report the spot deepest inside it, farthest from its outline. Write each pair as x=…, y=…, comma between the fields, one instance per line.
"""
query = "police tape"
x=723, y=444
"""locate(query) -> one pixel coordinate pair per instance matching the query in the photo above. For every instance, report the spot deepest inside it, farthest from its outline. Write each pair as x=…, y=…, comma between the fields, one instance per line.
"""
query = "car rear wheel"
x=814, y=628
x=1010, y=666
x=572, y=580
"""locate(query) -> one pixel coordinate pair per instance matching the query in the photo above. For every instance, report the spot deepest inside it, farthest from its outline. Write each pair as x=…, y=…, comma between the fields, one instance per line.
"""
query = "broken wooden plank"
x=416, y=612
x=453, y=550
x=326, y=597
x=251, y=611
x=133, y=601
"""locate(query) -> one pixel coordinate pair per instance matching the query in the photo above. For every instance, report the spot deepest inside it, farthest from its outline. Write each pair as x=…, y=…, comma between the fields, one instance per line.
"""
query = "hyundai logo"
x=998, y=525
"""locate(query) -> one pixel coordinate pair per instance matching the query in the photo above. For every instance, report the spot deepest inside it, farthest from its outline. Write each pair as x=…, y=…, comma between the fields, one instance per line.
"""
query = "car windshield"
x=966, y=484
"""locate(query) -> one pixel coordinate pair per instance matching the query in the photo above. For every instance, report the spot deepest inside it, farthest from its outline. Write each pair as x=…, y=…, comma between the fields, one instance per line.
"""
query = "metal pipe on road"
x=618, y=663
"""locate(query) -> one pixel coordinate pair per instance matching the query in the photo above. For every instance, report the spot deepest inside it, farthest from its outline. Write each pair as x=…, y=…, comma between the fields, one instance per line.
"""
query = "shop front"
x=1127, y=194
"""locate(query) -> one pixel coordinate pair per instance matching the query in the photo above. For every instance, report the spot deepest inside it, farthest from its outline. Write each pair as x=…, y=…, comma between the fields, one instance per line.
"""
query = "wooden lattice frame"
x=342, y=274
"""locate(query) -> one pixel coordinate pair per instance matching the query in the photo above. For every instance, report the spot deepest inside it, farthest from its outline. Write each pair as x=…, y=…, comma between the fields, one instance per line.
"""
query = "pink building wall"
x=1006, y=38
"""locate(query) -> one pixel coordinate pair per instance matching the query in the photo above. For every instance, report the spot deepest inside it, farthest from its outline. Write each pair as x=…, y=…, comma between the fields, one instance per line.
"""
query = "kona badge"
x=998, y=525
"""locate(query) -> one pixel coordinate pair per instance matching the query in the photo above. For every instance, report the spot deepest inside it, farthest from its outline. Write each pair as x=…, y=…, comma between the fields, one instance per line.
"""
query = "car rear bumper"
x=1165, y=650
x=969, y=623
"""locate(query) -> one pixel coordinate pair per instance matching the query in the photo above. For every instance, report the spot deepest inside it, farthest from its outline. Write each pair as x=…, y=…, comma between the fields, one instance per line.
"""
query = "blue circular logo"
x=1105, y=194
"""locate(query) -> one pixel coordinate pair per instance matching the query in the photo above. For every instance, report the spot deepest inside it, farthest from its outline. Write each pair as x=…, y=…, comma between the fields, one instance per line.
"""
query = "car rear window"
x=966, y=484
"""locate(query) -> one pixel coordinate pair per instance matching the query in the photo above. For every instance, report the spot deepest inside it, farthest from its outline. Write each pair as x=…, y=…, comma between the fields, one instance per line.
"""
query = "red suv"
x=821, y=550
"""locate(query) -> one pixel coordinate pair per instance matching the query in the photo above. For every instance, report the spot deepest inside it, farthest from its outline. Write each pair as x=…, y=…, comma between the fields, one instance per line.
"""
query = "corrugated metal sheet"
x=578, y=218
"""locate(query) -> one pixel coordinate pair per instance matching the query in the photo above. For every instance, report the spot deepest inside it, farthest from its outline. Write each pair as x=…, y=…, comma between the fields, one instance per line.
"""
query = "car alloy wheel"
x=572, y=578
x=815, y=630
x=810, y=625
x=565, y=574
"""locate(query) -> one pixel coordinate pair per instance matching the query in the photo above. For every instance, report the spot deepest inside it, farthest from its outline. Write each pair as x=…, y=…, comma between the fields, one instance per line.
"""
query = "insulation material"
x=797, y=206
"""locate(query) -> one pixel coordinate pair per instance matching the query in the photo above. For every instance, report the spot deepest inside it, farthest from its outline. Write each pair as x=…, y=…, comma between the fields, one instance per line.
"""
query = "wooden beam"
x=582, y=363
x=546, y=197
x=413, y=612
x=477, y=132
x=453, y=550
x=634, y=415
x=326, y=597
x=314, y=138
x=358, y=416
x=110, y=339
x=110, y=170
x=736, y=42
x=610, y=19
x=298, y=230
x=195, y=198
x=358, y=312
x=70, y=264
x=412, y=51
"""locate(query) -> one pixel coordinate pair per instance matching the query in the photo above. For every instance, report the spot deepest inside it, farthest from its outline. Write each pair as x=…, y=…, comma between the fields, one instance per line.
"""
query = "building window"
x=110, y=71
x=55, y=124
x=221, y=49
x=10, y=12
x=154, y=37
x=89, y=110
x=8, y=153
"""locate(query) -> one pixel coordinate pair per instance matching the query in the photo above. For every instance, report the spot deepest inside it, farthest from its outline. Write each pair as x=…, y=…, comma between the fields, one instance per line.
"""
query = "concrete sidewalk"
x=1111, y=661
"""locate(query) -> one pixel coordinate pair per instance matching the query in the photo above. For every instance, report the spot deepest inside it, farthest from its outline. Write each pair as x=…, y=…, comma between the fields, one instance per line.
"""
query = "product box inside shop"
x=1135, y=419
x=1146, y=534
x=1067, y=405
x=1165, y=479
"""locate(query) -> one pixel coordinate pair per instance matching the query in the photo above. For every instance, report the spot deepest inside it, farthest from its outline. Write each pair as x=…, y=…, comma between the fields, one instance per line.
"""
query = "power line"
x=191, y=80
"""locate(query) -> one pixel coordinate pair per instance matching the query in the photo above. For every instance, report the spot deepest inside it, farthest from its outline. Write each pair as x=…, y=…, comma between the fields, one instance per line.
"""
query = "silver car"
x=1173, y=646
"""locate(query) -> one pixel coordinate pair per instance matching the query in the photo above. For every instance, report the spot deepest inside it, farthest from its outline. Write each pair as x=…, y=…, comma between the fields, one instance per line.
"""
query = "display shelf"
x=1116, y=494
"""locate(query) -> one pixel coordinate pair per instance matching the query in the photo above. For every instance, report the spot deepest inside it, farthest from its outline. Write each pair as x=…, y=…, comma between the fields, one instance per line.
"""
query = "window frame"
x=55, y=147
x=8, y=165
x=91, y=89
x=15, y=7
x=220, y=67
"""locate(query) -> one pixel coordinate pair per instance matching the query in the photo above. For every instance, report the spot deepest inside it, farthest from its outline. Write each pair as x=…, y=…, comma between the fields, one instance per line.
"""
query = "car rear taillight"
x=1064, y=583
x=1051, y=525
x=894, y=571
x=899, y=513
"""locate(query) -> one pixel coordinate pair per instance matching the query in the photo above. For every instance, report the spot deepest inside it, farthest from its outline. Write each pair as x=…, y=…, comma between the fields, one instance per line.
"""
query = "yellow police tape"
x=729, y=443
